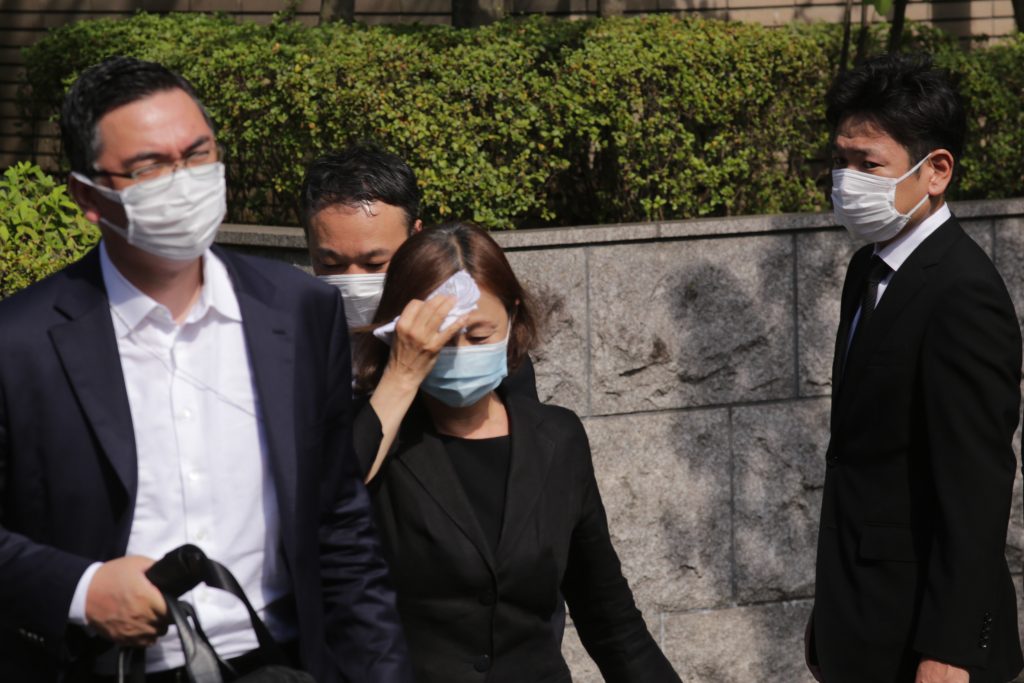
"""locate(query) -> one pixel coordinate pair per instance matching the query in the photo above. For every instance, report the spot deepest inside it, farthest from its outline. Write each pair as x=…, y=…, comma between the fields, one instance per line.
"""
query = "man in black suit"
x=161, y=391
x=912, y=583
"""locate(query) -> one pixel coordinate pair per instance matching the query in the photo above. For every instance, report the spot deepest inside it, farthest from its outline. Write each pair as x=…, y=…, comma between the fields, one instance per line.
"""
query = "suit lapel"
x=270, y=339
x=532, y=454
x=87, y=348
x=429, y=464
x=904, y=286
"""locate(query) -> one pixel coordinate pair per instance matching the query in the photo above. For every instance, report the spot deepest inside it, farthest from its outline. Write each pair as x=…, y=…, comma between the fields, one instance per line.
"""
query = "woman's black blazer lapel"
x=532, y=453
x=427, y=461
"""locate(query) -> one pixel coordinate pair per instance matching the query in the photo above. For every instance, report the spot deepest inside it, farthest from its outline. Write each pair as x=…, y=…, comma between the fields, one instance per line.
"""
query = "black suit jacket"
x=920, y=470
x=468, y=610
x=68, y=468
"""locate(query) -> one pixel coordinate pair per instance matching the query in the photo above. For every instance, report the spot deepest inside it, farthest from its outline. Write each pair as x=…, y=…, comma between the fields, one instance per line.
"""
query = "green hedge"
x=41, y=228
x=537, y=122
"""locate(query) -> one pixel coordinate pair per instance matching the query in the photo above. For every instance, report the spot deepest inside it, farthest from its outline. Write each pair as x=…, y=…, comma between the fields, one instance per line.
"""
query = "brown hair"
x=421, y=265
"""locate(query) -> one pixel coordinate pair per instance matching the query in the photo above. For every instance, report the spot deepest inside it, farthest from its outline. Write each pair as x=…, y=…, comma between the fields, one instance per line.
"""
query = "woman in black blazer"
x=486, y=500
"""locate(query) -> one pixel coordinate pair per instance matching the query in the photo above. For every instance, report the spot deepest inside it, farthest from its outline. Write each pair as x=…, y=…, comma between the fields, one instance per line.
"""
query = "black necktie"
x=878, y=272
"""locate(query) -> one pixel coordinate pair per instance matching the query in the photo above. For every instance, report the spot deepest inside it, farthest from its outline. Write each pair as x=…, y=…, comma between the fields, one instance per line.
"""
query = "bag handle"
x=183, y=568
x=201, y=663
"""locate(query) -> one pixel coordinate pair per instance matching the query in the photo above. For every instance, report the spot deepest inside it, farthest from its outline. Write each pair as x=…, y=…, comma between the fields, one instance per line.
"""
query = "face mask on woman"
x=465, y=374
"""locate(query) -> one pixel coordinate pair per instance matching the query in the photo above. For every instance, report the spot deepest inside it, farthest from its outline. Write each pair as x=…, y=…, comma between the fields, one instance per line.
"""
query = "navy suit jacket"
x=68, y=469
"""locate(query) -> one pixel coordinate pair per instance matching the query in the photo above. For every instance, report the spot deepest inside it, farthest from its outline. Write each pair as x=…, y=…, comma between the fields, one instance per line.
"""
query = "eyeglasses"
x=191, y=162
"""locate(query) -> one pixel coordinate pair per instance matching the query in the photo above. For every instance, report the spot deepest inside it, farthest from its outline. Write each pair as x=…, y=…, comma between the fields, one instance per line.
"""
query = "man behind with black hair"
x=912, y=584
x=357, y=207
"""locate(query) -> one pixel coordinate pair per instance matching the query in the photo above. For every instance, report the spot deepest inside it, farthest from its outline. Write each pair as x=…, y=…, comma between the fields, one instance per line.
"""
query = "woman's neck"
x=485, y=419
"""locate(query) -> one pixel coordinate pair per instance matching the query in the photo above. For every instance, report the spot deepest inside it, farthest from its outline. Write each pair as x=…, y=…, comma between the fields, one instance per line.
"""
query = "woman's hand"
x=418, y=340
x=414, y=349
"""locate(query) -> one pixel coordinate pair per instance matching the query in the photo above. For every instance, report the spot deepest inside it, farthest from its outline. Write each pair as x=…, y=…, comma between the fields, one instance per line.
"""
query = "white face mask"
x=865, y=204
x=174, y=217
x=361, y=294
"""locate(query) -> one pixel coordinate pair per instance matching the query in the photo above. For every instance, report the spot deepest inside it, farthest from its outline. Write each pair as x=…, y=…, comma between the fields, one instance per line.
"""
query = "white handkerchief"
x=461, y=286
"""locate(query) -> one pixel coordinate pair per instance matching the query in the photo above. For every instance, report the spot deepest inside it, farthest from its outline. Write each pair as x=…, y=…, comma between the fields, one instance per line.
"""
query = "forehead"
x=353, y=230
x=489, y=305
x=164, y=122
x=861, y=134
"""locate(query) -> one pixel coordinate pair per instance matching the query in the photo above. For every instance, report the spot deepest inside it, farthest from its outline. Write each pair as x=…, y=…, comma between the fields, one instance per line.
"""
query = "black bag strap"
x=201, y=663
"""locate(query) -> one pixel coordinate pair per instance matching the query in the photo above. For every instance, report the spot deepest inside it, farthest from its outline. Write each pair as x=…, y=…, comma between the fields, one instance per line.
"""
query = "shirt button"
x=201, y=535
x=482, y=663
x=193, y=476
x=186, y=414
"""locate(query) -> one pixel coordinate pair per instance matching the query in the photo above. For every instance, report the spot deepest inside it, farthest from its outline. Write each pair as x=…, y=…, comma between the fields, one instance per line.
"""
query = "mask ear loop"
x=112, y=195
x=907, y=175
x=915, y=167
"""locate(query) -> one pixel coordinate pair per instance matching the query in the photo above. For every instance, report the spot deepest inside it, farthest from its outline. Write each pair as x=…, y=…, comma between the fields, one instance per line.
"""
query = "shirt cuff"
x=76, y=615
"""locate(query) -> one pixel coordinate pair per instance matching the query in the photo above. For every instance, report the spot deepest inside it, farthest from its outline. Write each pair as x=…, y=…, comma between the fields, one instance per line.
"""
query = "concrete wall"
x=23, y=22
x=699, y=355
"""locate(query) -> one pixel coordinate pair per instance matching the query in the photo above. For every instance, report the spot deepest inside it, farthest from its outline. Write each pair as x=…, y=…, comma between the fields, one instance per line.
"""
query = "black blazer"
x=68, y=468
x=920, y=471
x=468, y=610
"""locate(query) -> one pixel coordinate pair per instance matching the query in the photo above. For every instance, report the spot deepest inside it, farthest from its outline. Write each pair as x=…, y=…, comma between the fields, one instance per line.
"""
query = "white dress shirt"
x=896, y=253
x=203, y=471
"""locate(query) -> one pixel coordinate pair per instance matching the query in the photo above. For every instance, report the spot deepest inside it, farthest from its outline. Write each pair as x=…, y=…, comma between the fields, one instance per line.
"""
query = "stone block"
x=691, y=323
x=779, y=460
x=821, y=262
x=1009, y=258
x=580, y=664
x=665, y=482
x=981, y=231
x=557, y=279
x=1015, y=533
x=763, y=643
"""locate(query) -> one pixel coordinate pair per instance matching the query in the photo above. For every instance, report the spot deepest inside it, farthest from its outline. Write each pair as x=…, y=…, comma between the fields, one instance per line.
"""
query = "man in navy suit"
x=162, y=391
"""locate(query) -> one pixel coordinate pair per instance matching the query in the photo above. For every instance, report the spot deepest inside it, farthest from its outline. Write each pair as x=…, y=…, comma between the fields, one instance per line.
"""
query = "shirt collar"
x=899, y=250
x=131, y=305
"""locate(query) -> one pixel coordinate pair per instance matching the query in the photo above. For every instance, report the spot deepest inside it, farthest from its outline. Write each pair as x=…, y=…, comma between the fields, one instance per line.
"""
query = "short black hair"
x=103, y=87
x=914, y=102
x=359, y=174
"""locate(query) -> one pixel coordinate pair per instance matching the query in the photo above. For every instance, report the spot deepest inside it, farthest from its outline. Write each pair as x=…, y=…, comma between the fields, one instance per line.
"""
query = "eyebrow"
x=373, y=253
x=157, y=156
x=866, y=151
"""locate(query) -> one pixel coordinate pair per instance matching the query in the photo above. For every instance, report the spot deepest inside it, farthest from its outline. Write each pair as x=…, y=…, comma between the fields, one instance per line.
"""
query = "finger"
x=450, y=332
x=407, y=319
x=434, y=311
x=438, y=315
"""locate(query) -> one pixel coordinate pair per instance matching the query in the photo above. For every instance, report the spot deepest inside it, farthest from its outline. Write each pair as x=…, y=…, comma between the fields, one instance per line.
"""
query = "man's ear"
x=416, y=227
x=942, y=163
x=85, y=197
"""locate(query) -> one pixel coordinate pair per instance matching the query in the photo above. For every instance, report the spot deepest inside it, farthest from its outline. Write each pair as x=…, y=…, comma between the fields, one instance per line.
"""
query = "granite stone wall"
x=699, y=355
